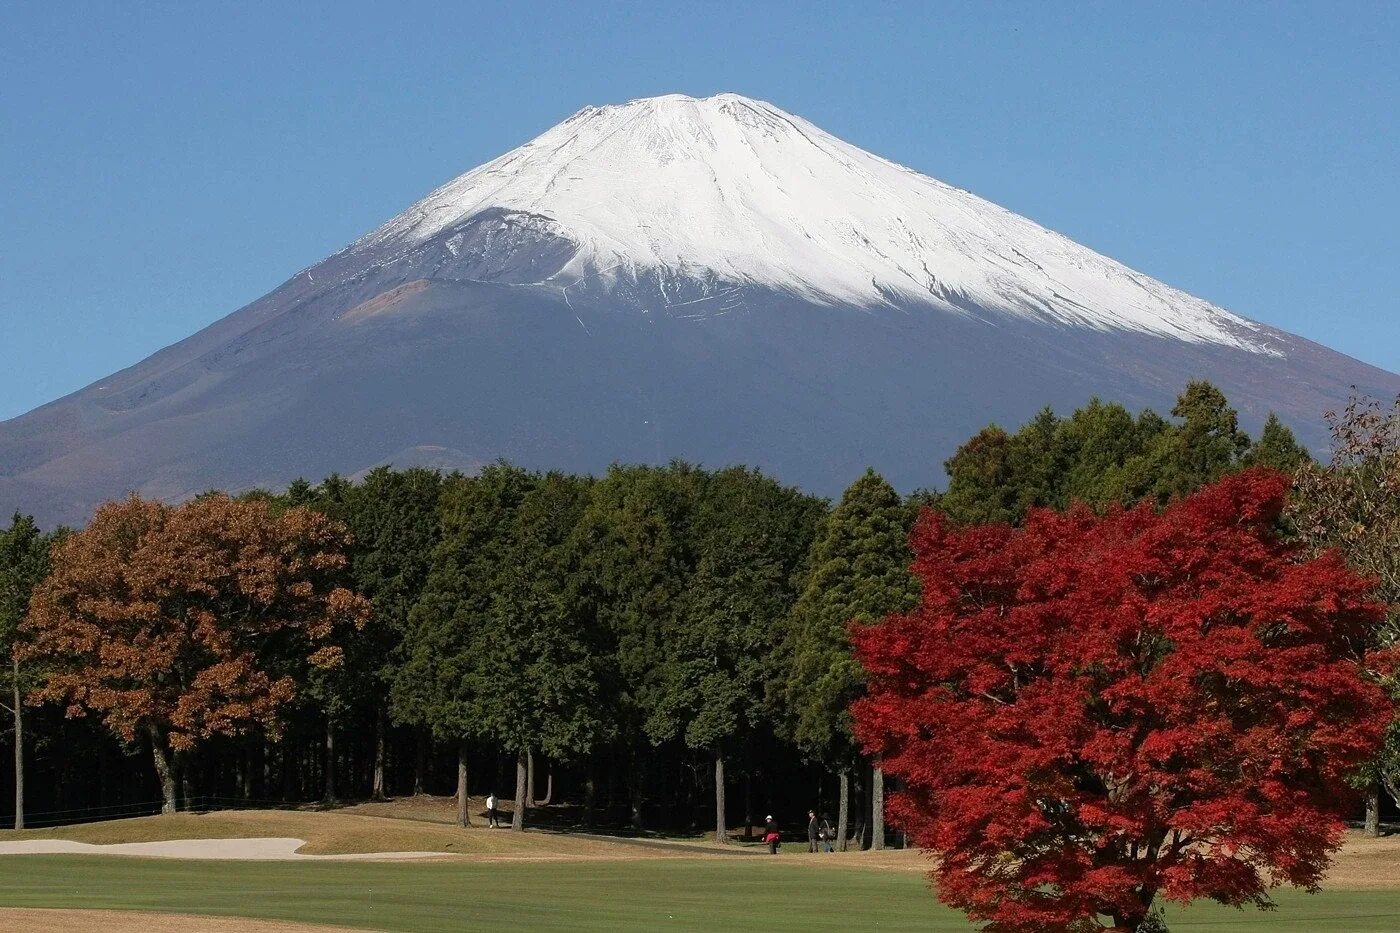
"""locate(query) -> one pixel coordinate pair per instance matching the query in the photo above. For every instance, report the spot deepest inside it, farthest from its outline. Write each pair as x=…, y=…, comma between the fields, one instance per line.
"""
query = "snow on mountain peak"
x=754, y=195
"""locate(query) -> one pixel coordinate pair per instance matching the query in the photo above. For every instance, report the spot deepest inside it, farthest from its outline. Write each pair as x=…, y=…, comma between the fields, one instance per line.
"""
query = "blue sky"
x=163, y=164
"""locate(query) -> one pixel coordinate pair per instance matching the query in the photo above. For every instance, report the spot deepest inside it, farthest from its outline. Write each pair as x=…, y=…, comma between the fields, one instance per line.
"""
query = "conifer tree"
x=1205, y=446
x=392, y=518
x=1277, y=448
x=857, y=573
x=1104, y=450
x=637, y=549
x=535, y=670
x=751, y=536
x=434, y=686
x=982, y=482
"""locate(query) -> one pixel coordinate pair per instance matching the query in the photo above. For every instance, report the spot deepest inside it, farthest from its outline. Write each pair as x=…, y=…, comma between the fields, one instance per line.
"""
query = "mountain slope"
x=712, y=279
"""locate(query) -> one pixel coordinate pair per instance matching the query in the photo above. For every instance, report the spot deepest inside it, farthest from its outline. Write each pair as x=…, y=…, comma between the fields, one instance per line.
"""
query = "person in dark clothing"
x=814, y=831
x=826, y=833
x=771, y=836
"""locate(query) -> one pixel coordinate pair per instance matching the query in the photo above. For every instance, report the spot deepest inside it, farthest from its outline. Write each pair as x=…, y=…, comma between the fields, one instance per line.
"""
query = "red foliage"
x=1093, y=711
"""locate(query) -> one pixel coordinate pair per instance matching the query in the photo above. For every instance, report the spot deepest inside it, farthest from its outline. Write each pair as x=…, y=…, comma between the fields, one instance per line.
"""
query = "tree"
x=24, y=561
x=751, y=534
x=1205, y=446
x=1277, y=448
x=1104, y=449
x=858, y=572
x=1353, y=505
x=393, y=521
x=638, y=557
x=436, y=687
x=1095, y=712
x=178, y=624
x=982, y=482
x=535, y=669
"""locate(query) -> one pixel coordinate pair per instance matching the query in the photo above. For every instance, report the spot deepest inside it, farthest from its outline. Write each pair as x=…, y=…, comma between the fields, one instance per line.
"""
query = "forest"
x=656, y=649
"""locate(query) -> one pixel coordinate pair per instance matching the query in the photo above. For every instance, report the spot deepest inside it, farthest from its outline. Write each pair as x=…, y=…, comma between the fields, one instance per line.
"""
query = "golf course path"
x=256, y=850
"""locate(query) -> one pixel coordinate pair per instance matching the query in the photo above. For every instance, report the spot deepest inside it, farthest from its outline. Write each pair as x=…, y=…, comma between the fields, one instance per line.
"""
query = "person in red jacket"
x=771, y=836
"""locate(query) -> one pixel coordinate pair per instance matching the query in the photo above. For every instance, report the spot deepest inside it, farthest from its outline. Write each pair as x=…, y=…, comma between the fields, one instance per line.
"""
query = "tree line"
x=641, y=646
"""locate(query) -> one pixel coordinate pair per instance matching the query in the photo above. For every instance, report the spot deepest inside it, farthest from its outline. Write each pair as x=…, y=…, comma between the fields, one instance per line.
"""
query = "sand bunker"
x=256, y=850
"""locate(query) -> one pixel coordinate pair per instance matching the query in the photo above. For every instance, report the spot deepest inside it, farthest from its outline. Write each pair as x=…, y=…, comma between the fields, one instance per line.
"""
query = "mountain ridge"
x=612, y=296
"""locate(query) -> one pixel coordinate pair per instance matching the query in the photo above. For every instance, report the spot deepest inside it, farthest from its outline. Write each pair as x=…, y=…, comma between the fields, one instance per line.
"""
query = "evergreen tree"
x=1102, y=454
x=339, y=692
x=752, y=535
x=637, y=544
x=1277, y=448
x=392, y=517
x=982, y=483
x=858, y=572
x=433, y=687
x=1036, y=461
x=1103, y=451
x=1205, y=446
x=536, y=667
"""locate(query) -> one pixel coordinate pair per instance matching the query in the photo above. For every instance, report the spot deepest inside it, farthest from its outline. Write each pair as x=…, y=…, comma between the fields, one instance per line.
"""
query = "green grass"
x=745, y=894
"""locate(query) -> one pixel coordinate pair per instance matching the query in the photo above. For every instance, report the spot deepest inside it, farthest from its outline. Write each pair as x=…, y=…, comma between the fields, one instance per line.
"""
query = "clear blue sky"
x=163, y=164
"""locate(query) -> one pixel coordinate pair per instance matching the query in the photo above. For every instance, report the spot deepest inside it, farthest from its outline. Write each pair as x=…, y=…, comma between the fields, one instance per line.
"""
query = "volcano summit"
x=711, y=279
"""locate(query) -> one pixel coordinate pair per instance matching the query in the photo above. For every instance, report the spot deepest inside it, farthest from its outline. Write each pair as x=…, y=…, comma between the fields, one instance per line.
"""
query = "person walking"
x=814, y=830
x=826, y=833
x=491, y=819
x=771, y=835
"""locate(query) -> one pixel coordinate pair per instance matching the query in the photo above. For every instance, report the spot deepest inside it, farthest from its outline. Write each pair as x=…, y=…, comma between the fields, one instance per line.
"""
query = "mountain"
x=711, y=279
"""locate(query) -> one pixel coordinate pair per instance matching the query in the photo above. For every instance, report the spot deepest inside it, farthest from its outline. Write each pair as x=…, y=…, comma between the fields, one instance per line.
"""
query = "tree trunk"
x=590, y=791
x=530, y=777
x=877, y=808
x=1129, y=923
x=721, y=834
x=240, y=776
x=843, y=807
x=548, y=791
x=420, y=762
x=330, y=761
x=522, y=766
x=163, y=769
x=19, y=745
x=184, y=765
x=748, y=805
x=463, y=801
x=376, y=791
x=635, y=782
x=1373, y=813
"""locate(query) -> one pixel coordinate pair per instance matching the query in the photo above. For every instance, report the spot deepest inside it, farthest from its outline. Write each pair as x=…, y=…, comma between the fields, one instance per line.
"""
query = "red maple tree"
x=1090, y=713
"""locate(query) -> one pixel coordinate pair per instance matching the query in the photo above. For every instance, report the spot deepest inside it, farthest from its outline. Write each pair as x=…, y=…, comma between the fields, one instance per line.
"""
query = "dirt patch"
x=132, y=921
x=386, y=302
x=1365, y=863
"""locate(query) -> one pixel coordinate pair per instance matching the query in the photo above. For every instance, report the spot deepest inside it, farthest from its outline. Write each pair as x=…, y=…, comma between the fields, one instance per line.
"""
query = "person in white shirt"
x=491, y=811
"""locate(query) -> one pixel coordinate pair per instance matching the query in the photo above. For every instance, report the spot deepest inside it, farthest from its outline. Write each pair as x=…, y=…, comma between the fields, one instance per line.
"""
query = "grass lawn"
x=331, y=833
x=679, y=894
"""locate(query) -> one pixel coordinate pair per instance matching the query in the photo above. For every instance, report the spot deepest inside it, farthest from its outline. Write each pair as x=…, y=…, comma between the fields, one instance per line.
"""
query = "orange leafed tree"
x=175, y=624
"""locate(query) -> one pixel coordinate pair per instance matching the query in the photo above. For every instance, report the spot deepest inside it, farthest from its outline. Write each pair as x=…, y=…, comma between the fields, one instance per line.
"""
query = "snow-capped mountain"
x=712, y=278
x=738, y=190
